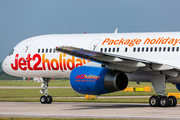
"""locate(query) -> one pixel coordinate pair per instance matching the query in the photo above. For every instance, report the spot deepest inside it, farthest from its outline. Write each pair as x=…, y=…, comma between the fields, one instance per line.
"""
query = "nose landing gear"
x=45, y=98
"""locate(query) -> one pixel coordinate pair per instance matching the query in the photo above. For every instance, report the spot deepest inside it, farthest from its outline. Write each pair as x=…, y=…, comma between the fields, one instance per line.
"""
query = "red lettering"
x=38, y=62
x=22, y=63
x=106, y=40
x=16, y=63
x=44, y=61
x=72, y=62
x=64, y=62
x=28, y=59
x=52, y=64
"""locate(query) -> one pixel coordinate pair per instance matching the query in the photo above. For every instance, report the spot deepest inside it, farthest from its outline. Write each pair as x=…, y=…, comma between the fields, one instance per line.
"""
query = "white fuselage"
x=35, y=57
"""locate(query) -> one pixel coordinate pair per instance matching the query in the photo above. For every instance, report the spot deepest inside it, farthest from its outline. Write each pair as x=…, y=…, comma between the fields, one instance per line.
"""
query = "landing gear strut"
x=45, y=98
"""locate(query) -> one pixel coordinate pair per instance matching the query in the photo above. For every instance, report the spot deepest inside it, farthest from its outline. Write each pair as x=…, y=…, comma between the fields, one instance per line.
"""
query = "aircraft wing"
x=115, y=60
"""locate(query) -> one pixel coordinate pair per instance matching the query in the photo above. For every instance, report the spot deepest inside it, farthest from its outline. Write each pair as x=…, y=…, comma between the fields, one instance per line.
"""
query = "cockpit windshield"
x=11, y=52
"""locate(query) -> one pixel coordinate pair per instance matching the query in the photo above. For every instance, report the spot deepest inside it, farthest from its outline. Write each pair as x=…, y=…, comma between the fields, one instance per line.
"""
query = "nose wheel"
x=46, y=99
x=162, y=101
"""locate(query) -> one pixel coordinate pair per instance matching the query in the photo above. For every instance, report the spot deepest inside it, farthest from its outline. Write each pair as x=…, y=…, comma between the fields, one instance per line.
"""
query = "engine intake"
x=97, y=80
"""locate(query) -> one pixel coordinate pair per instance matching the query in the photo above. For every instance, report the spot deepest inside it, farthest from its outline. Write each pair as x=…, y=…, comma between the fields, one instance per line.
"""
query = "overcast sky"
x=21, y=19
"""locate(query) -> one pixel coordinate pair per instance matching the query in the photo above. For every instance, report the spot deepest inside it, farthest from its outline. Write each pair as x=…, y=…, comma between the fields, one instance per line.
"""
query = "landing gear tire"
x=154, y=101
x=49, y=99
x=164, y=101
x=43, y=99
x=173, y=101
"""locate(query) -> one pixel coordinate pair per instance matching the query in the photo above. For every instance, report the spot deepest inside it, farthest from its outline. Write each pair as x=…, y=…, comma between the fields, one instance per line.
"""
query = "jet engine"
x=178, y=86
x=97, y=80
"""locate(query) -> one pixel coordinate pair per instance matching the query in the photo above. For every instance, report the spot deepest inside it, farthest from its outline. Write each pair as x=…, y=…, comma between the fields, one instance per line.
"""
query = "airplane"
x=100, y=63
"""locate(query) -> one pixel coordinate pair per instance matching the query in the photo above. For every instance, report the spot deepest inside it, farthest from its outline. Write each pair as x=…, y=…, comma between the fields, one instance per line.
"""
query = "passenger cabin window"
x=151, y=49
x=164, y=49
x=50, y=50
x=147, y=49
x=113, y=49
x=38, y=50
x=42, y=50
x=168, y=49
x=54, y=50
x=101, y=49
x=46, y=50
x=126, y=49
x=117, y=49
x=172, y=49
x=159, y=49
x=155, y=49
x=12, y=51
x=138, y=49
x=142, y=49
x=134, y=50
x=105, y=49
x=109, y=49
x=177, y=49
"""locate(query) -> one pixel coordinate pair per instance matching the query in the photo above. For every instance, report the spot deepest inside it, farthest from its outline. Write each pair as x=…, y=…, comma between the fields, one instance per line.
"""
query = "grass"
x=21, y=83
x=68, y=92
x=34, y=95
x=64, y=83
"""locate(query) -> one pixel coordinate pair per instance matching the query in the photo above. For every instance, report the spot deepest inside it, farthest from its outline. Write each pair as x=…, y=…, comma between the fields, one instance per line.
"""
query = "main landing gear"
x=162, y=101
x=45, y=98
x=159, y=82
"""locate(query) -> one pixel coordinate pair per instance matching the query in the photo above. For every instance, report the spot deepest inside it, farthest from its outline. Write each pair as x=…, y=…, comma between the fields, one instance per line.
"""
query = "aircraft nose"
x=4, y=66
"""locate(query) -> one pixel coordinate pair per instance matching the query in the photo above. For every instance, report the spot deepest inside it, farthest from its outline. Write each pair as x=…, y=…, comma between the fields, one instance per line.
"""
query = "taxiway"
x=87, y=110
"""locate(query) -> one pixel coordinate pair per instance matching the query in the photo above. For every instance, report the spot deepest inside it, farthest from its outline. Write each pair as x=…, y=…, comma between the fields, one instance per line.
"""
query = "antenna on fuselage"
x=116, y=30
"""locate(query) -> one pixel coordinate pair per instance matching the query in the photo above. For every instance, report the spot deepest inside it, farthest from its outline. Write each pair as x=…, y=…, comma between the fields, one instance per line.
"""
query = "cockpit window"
x=11, y=52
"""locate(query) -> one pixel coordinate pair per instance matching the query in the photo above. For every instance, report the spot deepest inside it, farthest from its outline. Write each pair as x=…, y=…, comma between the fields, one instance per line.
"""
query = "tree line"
x=4, y=76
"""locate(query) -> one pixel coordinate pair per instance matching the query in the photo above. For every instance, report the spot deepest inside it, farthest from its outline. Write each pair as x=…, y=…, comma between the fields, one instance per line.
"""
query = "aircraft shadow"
x=108, y=106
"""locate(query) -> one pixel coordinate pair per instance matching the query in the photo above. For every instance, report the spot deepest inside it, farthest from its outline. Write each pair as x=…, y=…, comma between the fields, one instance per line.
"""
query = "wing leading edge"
x=123, y=63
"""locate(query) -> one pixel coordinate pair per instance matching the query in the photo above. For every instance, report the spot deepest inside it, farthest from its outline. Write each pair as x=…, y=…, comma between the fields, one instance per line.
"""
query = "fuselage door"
x=94, y=45
x=26, y=49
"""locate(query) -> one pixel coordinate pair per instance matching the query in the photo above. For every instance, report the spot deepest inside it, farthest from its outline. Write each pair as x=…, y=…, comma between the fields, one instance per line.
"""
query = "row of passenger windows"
x=109, y=50
x=143, y=49
x=138, y=49
x=46, y=50
x=156, y=49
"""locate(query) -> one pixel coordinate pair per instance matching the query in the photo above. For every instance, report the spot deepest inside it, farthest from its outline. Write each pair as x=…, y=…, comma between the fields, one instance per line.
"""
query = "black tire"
x=173, y=101
x=43, y=99
x=154, y=101
x=49, y=99
x=164, y=101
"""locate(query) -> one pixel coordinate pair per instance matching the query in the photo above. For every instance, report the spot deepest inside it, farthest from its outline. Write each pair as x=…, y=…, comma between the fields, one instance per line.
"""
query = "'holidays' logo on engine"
x=87, y=77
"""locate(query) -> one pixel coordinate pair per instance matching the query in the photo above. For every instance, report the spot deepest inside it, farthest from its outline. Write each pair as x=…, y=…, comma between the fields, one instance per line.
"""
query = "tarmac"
x=88, y=110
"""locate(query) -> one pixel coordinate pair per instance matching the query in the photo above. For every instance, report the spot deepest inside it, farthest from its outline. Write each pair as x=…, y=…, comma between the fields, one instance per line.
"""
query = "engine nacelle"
x=178, y=86
x=97, y=80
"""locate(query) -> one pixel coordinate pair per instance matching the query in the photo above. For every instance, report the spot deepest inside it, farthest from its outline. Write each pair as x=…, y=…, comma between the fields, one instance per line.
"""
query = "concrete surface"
x=88, y=110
